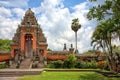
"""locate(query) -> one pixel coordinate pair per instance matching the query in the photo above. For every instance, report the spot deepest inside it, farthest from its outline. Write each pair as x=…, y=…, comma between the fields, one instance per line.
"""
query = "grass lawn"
x=67, y=76
x=68, y=69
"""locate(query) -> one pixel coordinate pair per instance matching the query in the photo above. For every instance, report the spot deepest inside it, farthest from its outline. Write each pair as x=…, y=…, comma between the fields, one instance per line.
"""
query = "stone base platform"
x=19, y=72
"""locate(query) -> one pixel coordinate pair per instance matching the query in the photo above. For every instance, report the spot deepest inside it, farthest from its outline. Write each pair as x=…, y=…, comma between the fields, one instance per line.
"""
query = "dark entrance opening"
x=28, y=45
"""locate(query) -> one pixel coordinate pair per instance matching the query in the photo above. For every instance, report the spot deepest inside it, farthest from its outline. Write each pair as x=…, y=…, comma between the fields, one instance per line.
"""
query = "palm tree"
x=75, y=27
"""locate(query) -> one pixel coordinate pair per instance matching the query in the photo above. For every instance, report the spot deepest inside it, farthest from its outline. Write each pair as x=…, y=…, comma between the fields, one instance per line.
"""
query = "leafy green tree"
x=106, y=31
x=5, y=45
x=49, y=49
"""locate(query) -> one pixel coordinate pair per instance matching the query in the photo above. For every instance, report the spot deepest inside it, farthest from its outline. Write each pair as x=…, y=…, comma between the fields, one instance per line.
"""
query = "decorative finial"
x=29, y=8
x=65, y=47
x=71, y=45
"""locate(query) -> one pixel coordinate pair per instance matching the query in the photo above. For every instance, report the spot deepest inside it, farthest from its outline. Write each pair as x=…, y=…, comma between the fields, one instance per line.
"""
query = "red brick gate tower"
x=29, y=39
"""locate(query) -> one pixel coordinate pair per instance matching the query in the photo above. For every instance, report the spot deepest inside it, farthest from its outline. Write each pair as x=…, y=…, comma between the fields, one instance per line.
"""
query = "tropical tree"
x=109, y=11
x=102, y=37
x=5, y=45
x=108, y=29
x=75, y=27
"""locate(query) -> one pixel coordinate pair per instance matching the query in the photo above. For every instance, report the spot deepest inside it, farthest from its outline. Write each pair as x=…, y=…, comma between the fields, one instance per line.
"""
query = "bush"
x=55, y=64
x=58, y=64
x=70, y=61
x=3, y=66
x=78, y=64
x=84, y=65
x=102, y=64
x=50, y=65
x=92, y=64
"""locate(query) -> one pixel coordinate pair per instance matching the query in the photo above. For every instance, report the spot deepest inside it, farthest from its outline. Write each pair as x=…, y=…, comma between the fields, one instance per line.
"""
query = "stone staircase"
x=19, y=72
x=13, y=66
x=25, y=64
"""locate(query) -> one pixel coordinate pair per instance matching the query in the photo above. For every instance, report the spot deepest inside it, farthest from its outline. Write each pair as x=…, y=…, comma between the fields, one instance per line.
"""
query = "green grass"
x=67, y=76
x=68, y=69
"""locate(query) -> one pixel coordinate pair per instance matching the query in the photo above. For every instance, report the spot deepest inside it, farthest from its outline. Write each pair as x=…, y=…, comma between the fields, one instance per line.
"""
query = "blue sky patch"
x=34, y=3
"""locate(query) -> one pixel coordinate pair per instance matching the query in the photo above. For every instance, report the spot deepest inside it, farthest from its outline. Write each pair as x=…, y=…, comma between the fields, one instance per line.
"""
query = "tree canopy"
x=5, y=45
x=108, y=28
x=75, y=25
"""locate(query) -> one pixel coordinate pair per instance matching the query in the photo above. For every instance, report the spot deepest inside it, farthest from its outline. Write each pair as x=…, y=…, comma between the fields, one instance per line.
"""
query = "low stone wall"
x=56, y=57
x=4, y=56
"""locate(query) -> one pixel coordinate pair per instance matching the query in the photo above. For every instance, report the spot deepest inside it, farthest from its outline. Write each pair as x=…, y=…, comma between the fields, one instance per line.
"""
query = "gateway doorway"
x=28, y=45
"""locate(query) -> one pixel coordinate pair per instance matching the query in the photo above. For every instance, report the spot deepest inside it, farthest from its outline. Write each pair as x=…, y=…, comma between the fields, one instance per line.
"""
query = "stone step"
x=13, y=73
x=25, y=64
x=13, y=66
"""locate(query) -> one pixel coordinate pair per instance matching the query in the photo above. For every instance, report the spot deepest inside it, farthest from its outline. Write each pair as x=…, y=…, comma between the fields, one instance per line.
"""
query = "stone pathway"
x=14, y=74
x=9, y=78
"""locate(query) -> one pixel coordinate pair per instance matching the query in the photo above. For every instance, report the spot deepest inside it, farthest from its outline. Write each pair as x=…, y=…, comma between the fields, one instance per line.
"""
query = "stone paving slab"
x=9, y=78
x=21, y=69
x=15, y=77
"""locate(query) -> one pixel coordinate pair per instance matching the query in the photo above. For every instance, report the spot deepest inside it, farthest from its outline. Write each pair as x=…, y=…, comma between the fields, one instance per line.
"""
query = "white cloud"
x=56, y=23
x=18, y=11
x=8, y=23
x=55, y=20
x=14, y=3
x=5, y=12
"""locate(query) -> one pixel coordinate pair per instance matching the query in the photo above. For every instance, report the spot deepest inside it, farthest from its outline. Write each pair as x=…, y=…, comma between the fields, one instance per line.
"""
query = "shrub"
x=50, y=65
x=93, y=64
x=3, y=66
x=55, y=64
x=102, y=64
x=70, y=61
x=84, y=65
x=58, y=64
x=78, y=64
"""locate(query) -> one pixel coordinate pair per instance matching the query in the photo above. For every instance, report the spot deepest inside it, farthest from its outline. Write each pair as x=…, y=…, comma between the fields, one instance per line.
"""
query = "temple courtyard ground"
x=9, y=78
x=14, y=74
x=52, y=74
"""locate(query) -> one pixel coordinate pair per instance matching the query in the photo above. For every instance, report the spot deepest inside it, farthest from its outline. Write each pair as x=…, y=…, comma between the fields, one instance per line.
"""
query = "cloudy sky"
x=55, y=18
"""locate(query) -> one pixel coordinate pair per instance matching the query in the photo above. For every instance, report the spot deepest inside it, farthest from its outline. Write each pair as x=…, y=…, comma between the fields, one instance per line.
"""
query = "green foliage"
x=75, y=25
x=5, y=45
x=2, y=66
x=70, y=61
x=86, y=65
x=55, y=64
x=90, y=52
x=108, y=30
x=110, y=9
x=49, y=49
x=116, y=49
x=58, y=64
x=50, y=65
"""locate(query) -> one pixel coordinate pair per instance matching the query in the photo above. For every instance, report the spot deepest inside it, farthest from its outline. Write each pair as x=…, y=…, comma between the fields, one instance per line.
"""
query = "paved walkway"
x=21, y=69
x=16, y=77
x=8, y=78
